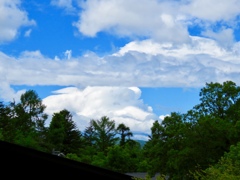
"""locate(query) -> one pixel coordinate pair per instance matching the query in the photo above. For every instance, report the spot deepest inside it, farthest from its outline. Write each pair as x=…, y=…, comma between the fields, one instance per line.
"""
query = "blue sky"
x=135, y=61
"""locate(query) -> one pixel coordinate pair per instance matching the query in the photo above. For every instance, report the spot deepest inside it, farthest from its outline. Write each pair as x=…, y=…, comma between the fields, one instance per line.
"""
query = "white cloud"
x=164, y=21
x=139, y=63
x=224, y=37
x=121, y=104
x=65, y=4
x=198, y=46
x=144, y=137
x=8, y=94
x=161, y=117
x=212, y=10
x=68, y=54
x=28, y=33
x=132, y=18
x=12, y=18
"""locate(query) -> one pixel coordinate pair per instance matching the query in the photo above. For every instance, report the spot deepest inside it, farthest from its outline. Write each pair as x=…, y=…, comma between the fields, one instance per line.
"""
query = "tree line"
x=203, y=143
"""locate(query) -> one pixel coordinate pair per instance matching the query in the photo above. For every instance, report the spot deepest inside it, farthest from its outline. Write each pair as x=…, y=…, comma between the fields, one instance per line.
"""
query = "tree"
x=118, y=159
x=227, y=168
x=217, y=98
x=217, y=116
x=167, y=151
x=63, y=133
x=104, y=133
x=124, y=132
x=7, y=128
x=214, y=124
x=28, y=118
x=153, y=152
x=29, y=113
x=89, y=149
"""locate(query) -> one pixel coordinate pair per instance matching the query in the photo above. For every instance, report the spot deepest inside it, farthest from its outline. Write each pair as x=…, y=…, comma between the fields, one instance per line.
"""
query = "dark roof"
x=21, y=162
x=142, y=175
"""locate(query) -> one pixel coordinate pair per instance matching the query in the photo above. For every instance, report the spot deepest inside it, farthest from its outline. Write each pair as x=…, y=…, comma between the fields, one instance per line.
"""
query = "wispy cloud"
x=67, y=5
x=28, y=33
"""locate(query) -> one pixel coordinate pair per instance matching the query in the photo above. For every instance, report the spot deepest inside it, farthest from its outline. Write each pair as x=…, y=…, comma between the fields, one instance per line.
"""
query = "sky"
x=135, y=61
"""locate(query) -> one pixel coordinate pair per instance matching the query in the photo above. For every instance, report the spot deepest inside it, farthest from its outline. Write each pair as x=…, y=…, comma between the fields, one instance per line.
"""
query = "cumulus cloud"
x=121, y=104
x=12, y=18
x=164, y=21
x=132, y=18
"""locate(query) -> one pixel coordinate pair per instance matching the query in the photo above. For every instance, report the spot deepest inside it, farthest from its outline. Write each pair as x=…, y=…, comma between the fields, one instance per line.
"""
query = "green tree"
x=88, y=150
x=28, y=118
x=7, y=128
x=63, y=133
x=217, y=98
x=30, y=111
x=214, y=124
x=104, y=133
x=124, y=132
x=119, y=160
x=227, y=168
x=153, y=150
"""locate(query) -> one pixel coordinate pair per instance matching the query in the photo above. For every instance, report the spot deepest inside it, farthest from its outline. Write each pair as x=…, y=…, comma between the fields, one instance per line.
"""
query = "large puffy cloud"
x=121, y=104
x=12, y=17
x=160, y=20
x=132, y=18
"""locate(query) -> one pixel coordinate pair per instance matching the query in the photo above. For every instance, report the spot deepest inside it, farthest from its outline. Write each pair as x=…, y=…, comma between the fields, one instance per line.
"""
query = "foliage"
x=24, y=122
x=191, y=142
x=104, y=133
x=124, y=132
x=63, y=133
x=227, y=168
x=73, y=156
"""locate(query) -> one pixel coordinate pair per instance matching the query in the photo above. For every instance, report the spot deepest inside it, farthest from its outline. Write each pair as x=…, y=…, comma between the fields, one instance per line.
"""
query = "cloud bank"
x=139, y=63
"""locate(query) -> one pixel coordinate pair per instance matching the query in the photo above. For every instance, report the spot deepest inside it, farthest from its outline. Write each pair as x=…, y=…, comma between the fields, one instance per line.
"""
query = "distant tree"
x=124, y=132
x=88, y=135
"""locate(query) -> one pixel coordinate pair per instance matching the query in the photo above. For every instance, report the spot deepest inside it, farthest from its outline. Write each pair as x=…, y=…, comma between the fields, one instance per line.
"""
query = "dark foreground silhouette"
x=21, y=162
